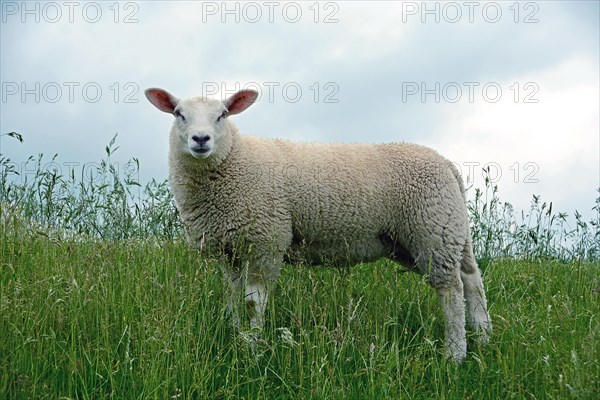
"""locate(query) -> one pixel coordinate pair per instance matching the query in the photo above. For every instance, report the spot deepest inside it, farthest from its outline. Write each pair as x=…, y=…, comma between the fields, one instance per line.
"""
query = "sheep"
x=254, y=202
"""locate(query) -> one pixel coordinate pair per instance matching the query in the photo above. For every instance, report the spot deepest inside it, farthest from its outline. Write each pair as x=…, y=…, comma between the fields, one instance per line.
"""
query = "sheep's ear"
x=240, y=101
x=162, y=99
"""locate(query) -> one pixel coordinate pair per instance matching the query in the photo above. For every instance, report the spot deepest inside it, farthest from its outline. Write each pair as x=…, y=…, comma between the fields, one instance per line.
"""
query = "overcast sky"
x=511, y=85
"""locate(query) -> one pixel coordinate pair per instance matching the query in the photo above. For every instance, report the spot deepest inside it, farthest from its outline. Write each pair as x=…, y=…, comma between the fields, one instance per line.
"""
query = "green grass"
x=134, y=320
x=101, y=298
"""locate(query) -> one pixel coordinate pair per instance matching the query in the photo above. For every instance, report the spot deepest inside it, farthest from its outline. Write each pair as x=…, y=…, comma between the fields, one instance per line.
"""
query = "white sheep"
x=255, y=202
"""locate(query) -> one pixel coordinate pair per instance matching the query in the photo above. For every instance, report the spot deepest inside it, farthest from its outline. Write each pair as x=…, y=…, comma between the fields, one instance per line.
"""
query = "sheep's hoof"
x=456, y=352
x=456, y=358
x=483, y=338
x=483, y=333
x=250, y=336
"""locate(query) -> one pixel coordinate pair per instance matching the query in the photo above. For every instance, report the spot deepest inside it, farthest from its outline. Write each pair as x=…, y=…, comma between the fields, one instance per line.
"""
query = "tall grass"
x=104, y=200
x=540, y=232
x=132, y=320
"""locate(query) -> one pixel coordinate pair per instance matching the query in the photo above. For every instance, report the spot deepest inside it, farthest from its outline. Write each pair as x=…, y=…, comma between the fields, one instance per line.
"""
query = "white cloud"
x=558, y=136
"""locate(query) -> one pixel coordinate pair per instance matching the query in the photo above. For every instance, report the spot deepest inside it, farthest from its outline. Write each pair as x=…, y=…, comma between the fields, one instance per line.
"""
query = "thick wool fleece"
x=262, y=200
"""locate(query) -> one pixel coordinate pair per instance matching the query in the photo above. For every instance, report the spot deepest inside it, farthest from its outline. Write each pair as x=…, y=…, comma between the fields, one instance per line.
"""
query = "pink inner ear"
x=161, y=100
x=240, y=101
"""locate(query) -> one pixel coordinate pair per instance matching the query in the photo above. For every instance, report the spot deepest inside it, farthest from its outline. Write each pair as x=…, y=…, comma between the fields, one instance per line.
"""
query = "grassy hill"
x=94, y=319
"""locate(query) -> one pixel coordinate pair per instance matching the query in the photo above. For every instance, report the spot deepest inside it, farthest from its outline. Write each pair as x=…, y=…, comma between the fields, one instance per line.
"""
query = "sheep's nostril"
x=201, y=140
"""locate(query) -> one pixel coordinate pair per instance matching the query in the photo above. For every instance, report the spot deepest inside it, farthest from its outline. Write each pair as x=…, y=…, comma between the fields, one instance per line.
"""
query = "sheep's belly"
x=337, y=253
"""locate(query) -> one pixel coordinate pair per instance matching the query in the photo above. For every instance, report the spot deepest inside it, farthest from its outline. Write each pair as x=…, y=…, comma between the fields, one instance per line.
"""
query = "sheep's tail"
x=468, y=263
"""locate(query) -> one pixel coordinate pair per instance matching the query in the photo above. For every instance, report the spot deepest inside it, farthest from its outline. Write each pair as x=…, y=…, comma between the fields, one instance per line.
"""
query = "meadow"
x=100, y=297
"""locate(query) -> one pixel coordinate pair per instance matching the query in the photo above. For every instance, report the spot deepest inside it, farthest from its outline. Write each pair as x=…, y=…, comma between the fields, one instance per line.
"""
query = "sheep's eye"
x=179, y=115
x=222, y=116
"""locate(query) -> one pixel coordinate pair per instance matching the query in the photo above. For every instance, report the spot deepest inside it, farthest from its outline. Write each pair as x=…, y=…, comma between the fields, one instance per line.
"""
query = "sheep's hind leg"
x=478, y=317
x=444, y=277
x=452, y=299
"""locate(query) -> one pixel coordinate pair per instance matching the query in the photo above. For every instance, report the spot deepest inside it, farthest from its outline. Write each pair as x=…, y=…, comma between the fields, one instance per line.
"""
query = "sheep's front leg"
x=236, y=283
x=251, y=291
x=256, y=296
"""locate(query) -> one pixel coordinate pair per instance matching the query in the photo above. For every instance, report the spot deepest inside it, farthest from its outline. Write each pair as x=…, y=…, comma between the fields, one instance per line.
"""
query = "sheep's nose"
x=201, y=140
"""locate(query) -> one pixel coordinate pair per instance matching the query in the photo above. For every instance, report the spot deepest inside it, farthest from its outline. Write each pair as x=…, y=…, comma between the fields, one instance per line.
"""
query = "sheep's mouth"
x=201, y=152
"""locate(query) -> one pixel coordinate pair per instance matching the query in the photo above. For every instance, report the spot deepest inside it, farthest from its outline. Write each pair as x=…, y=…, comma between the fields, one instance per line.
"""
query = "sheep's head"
x=200, y=123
